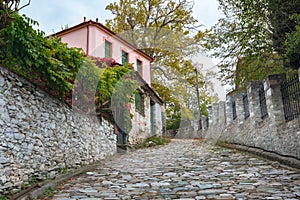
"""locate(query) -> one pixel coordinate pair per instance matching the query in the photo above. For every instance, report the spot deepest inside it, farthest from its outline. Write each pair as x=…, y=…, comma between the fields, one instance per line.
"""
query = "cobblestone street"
x=184, y=169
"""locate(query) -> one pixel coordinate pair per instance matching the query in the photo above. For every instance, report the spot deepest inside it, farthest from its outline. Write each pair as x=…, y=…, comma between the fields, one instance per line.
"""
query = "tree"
x=7, y=9
x=243, y=31
x=167, y=31
x=159, y=27
x=254, y=32
x=292, y=44
x=282, y=16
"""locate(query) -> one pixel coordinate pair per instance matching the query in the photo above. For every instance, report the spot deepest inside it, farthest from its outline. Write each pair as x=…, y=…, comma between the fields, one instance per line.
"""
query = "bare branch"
x=28, y=3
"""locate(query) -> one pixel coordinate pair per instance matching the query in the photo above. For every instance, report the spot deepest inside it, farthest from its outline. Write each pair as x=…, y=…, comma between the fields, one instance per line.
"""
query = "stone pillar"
x=222, y=112
x=272, y=86
x=158, y=119
x=239, y=107
x=254, y=101
x=210, y=115
x=299, y=74
x=215, y=112
x=229, y=114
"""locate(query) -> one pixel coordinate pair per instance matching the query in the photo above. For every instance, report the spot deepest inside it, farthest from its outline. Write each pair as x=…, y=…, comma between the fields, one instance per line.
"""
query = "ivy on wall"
x=47, y=62
x=63, y=71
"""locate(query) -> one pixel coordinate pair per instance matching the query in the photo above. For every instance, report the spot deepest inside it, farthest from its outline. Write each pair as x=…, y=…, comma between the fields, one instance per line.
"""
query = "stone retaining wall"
x=271, y=133
x=41, y=136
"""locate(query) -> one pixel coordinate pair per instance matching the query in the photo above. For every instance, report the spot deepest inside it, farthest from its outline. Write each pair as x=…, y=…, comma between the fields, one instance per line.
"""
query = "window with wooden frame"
x=139, y=102
x=108, y=51
x=124, y=57
x=139, y=67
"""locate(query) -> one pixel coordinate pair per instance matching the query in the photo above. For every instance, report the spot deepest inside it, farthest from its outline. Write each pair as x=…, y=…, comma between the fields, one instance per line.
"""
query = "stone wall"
x=142, y=124
x=40, y=136
x=272, y=132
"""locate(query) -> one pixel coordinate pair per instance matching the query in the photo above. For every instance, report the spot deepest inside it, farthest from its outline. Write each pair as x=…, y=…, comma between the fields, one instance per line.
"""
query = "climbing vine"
x=66, y=73
x=47, y=62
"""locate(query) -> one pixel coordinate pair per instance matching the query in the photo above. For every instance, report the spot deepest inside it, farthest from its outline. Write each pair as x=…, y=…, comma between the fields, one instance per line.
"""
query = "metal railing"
x=290, y=90
x=262, y=102
x=246, y=106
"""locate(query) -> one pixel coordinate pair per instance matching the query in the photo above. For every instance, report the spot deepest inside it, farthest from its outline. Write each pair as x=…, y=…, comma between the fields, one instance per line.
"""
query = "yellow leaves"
x=186, y=113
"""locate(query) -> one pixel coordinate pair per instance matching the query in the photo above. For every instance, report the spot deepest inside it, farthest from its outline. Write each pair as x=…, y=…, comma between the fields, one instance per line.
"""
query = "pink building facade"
x=98, y=41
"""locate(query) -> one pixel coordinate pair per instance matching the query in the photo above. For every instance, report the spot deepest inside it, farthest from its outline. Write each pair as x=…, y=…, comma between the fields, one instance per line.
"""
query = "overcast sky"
x=52, y=15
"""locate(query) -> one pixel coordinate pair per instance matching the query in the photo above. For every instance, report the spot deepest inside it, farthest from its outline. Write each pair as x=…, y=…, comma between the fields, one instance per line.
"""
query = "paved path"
x=184, y=169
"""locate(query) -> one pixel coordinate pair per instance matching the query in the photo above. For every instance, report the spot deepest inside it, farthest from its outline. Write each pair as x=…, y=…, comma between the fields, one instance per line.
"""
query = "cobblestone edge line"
x=284, y=160
x=39, y=191
x=42, y=187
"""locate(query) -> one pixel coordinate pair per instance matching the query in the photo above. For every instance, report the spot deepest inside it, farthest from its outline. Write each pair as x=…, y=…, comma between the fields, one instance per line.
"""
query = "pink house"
x=99, y=41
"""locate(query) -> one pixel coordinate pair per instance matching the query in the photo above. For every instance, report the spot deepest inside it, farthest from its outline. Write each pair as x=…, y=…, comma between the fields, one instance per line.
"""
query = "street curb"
x=281, y=159
x=34, y=193
x=38, y=190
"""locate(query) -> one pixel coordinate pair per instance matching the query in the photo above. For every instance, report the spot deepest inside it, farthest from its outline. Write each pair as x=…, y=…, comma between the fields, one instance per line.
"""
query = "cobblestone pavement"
x=184, y=169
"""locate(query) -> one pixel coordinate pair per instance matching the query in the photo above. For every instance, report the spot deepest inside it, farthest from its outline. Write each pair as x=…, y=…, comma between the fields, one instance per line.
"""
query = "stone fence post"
x=215, y=113
x=229, y=112
x=272, y=86
x=254, y=101
x=240, y=117
x=222, y=113
x=210, y=115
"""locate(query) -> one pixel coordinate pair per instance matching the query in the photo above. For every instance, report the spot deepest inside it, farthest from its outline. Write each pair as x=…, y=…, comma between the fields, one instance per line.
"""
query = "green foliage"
x=2, y=197
x=112, y=77
x=282, y=22
x=109, y=87
x=153, y=141
x=256, y=68
x=173, y=120
x=242, y=32
x=8, y=9
x=172, y=104
x=158, y=140
x=66, y=72
x=254, y=31
x=292, y=45
x=45, y=61
x=85, y=85
x=167, y=31
x=122, y=96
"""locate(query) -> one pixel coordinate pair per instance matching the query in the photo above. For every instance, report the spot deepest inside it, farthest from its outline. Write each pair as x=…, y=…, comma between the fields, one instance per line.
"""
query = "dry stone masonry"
x=40, y=136
x=254, y=125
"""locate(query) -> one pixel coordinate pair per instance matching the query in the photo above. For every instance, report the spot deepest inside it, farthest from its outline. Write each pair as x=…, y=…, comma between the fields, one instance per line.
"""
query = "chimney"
x=97, y=20
x=84, y=19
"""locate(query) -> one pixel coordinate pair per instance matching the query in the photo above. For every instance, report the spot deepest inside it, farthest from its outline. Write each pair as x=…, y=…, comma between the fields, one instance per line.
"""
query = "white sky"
x=52, y=15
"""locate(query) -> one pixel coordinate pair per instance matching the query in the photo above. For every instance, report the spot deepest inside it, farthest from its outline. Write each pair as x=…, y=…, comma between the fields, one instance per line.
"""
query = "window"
x=124, y=57
x=139, y=66
x=139, y=103
x=107, y=49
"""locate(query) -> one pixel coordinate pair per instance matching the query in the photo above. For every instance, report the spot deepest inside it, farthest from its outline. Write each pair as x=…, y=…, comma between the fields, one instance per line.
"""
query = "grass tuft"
x=154, y=141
